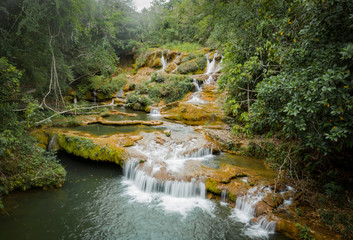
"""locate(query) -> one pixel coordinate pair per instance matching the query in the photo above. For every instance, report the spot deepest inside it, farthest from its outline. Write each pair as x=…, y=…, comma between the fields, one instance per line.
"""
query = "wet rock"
x=137, y=107
x=287, y=227
x=157, y=63
x=167, y=132
x=289, y=194
x=273, y=199
x=262, y=208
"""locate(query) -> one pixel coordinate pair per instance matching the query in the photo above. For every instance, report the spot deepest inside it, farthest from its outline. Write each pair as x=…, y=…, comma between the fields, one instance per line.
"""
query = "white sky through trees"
x=140, y=4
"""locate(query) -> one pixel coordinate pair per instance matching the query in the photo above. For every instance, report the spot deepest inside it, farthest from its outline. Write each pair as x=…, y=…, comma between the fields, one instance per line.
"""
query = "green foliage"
x=183, y=47
x=76, y=38
x=304, y=232
x=338, y=220
x=135, y=98
x=132, y=86
x=188, y=67
x=22, y=163
x=288, y=74
x=104, y=87
x=113, y=85
x=170, y=87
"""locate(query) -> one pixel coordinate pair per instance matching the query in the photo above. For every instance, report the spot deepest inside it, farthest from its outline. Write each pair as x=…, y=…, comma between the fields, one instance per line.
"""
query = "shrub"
x=134, y=98
x=171, y=88
x=188, y=67
x=183, y=47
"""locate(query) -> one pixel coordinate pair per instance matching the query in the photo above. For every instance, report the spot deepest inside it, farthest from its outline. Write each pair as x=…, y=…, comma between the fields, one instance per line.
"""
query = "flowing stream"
x=149, y=201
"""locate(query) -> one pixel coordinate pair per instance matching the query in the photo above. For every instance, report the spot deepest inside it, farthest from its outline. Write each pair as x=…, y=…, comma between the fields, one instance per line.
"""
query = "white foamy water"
x=164, y=62
x=195, y=97
x=211, y=65
x=170, y=157
x=155, y=112
x=244, y=212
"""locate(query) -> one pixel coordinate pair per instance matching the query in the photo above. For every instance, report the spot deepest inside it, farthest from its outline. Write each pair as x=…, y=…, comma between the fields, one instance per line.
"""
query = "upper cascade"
x=164, y=61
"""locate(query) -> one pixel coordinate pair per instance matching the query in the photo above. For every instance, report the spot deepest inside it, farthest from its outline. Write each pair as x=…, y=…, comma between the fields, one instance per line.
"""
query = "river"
x=98, y=201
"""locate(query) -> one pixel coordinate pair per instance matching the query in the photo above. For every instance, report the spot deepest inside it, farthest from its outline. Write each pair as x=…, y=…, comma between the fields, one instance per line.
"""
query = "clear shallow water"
x=98, y=202
x=99, y=129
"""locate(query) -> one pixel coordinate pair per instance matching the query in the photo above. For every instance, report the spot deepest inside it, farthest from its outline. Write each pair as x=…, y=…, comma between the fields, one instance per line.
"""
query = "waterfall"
x=155, y=111
x=224, y=196
x=149, y=184
x=195, y=97
x=209, y=80
x=164, y=61
x=95, y=96
x=211, y=65
x=120, y=93
x=245, y=211
x=171, y=155
x=52, y=142
x=197, y=86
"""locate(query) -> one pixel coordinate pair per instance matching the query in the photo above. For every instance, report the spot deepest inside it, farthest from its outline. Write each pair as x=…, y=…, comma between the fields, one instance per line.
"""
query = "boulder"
x=273, y=199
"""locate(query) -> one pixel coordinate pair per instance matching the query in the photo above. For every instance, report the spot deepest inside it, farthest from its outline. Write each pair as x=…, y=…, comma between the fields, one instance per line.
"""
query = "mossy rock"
x=201, y=61
x=148, y=109
x=170, y=67
x=157, y=63
x=89, y=149
x=188, y=67
x=211, y=186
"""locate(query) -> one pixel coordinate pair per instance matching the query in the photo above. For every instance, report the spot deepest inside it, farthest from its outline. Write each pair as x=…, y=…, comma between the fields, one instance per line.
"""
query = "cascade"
x=211, y=65
x=171, y=155
x=95, y=96
x=197, y=86
x=224, y=196
x=245, y=211
x=195, y=97
x=155, y=111
x=120, y=93
x=212, y=68
x=149, y=184
x=164, y=61
x=51, y=143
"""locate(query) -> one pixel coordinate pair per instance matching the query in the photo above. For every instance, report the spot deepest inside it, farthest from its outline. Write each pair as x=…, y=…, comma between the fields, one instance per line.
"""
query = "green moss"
x=170, y=87
x=231, y=197
x=201, y=62
x=87, y=148
x=211, y=186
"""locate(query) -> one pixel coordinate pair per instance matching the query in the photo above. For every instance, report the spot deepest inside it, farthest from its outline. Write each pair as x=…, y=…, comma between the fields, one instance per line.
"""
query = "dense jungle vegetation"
x=287, y=74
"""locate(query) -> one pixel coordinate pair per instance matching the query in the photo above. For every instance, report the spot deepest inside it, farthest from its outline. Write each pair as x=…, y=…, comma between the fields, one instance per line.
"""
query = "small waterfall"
x=197, y=86
x=164, y=61
x=149, y=184
x=211, y=65
x=155, y=111
x=52, y=142
x=209, y=80
x=200, y=153
x=120, y=93
x=95, y=96
x=224, y=196
x=212, y=68
x=245, y=211
x=195, y=97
